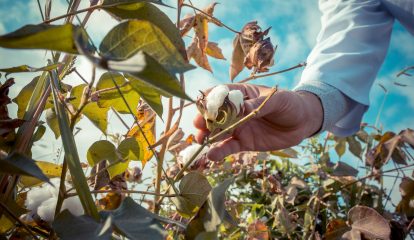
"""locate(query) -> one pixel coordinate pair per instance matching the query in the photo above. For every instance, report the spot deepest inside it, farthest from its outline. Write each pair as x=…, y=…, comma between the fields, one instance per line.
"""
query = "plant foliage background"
x=297, y=193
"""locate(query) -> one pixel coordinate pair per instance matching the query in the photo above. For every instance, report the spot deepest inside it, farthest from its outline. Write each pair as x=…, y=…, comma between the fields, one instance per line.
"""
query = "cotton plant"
x=221, y=107
x=41, y=201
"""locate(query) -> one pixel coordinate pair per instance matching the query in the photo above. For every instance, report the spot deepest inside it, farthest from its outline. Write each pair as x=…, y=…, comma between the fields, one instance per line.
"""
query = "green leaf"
x=44, y=36
x=23, y=98
x=129, y=37
x=135, y=222
x=97, y=115
x=158, y=77
x=194, y=189
x=71, y=153
x=354, y=146
x=99, y=151
x=40, y=131
x=340, y=147
x=129, y=149
x=343, y=169
x=52, y=122
x=20, y=164
x=68, y=226
x=149, y=94
x=146, y=11
x=112, y=98
x=212, y=213
x=26, y=68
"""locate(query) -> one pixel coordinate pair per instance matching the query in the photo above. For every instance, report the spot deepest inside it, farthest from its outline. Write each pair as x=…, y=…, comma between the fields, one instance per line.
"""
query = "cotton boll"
x=46, y=210
x=74, y=205
x=36, y=196
x=236, y=97
x=188, y=152
x=215, y=99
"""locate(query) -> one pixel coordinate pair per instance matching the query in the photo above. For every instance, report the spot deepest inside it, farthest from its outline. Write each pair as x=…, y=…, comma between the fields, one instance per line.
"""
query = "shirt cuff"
x=335, y=104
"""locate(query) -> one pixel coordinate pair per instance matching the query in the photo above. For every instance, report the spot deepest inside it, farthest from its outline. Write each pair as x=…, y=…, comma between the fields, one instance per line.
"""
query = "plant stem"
x=5, y=208
x=214, y=20
x=273, y=73
x=127, y=191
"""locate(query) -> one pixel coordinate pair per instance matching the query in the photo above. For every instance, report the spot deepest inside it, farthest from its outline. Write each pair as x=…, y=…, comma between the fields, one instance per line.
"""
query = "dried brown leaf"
x=237, y=58
x=369, y=222
x=194, y=52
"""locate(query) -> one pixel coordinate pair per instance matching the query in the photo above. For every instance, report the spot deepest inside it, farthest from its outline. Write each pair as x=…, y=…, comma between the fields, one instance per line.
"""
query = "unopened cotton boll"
x=188, y=153
x=215, y=100
x=237, y=98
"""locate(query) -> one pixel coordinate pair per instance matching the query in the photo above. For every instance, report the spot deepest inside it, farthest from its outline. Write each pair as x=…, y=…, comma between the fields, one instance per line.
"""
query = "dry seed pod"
x=220, y=108
x=260, y=56
x=250, y=34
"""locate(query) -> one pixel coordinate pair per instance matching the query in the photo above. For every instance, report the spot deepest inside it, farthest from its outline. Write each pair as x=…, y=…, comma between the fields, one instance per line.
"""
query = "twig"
x=126, y=191
x=120, y=119
x=5, y=208
x=373, y=175
x=215, y=20
x=404, y=71
x=40, y=10
x=303, y=64
x=72, y=13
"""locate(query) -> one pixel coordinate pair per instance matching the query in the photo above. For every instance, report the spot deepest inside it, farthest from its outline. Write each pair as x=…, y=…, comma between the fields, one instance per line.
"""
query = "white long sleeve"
x=349, y=51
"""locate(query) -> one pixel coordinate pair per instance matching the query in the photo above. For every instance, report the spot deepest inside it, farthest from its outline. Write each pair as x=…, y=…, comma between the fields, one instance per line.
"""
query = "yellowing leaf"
x=129, y=37
x=201, y=32
x=111, y=201
x=44, y=36
x=214, y=51
x=113, y=98
x=97, y=115
x=146, y=11
x=151, y=95
x=51, y=170
x=147, y=123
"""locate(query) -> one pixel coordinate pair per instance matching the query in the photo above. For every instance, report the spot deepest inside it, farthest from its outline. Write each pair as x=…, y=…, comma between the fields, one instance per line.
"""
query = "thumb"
x=223, y=149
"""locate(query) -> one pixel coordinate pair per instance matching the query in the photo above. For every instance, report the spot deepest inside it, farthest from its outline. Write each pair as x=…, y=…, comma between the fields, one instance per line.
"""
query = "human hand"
x=284, y=121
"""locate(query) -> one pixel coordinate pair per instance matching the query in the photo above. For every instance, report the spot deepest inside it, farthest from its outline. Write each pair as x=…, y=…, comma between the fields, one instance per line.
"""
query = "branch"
x=127, y=191
x=404, y=71
x=91, y=8
x=5, y=208
x=214, y=20
x=303, y=64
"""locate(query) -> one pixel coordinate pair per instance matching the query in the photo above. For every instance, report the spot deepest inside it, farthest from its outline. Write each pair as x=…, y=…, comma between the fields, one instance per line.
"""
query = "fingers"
x=199, y=122
x=223, y=149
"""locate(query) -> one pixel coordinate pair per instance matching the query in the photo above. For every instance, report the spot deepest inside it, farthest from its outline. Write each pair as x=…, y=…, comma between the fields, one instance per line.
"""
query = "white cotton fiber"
x=42, y=201
x=188, y=152
x=74, y=205
x=46, y=210
x=236, y=97
x=215, y=99
x=36, y=196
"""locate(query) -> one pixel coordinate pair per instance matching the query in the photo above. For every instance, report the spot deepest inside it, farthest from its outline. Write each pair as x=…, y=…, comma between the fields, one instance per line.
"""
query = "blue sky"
x=295, y=25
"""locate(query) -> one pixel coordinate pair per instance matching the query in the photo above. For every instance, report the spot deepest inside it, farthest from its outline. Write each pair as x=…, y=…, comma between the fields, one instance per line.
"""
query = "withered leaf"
x=369, y=223
x=214, y=51
x=237, y=58
x=193, y=51
x=186, y=24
